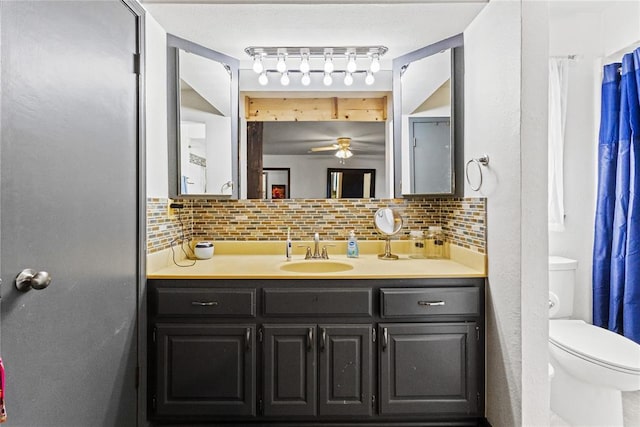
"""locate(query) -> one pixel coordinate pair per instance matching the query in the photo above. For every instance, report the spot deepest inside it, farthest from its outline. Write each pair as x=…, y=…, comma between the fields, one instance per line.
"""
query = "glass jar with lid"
x=416, y=243
x=434, y=243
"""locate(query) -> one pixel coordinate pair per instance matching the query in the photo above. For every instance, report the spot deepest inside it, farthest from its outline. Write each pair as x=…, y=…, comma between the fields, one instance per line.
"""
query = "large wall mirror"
x=428, y=126
x=316, y=154
x=202, y=120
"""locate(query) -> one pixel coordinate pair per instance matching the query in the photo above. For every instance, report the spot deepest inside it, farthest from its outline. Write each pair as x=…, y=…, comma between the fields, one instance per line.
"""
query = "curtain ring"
x=480, y=161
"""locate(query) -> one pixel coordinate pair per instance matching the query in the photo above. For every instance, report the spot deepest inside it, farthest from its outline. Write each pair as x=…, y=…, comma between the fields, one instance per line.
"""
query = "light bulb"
x=369, y=79
x=284, y=80
x=306, y=79
x=263, y=79
x=351, y=64
x=375, y=64
x=328, y=65
x=257, y=64
x=327, y=80
x=304, y=64
x=281, y=66
x=348, y=79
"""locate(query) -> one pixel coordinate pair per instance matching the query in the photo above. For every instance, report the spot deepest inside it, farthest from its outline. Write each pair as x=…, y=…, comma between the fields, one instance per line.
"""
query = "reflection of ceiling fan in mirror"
x=342, y=147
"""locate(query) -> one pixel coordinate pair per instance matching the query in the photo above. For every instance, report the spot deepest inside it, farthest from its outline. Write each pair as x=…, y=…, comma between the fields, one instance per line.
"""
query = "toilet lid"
x=596, y=344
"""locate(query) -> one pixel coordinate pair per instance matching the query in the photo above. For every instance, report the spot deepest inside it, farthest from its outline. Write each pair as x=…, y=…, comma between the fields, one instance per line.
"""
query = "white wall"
x=156, y=108
x=309, y=173
x=505, y=117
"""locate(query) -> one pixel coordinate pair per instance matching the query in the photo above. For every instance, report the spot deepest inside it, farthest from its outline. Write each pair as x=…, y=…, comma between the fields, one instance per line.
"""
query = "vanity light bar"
x=315, y=52
x=350, y=55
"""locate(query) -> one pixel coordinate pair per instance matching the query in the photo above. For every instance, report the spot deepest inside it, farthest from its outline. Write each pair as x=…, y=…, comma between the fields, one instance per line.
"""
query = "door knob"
x=29, y=278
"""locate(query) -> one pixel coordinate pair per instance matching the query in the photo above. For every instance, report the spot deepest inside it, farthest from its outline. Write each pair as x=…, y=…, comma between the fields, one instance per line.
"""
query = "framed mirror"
x=428, y=104
x=343, y=183
x=202, y=94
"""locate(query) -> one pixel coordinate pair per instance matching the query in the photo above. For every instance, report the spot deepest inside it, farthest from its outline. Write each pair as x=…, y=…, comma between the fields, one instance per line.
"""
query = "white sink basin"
x=316, y=266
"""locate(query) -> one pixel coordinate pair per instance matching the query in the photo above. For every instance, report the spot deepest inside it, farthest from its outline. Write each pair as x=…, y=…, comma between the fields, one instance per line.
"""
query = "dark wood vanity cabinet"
x=308, y=351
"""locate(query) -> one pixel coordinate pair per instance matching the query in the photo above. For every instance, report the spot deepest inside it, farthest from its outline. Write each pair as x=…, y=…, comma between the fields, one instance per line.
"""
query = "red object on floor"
x=3, y=411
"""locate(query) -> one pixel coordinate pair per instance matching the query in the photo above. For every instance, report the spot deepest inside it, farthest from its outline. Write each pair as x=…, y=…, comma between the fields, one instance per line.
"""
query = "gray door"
x=432, y=156
x=69, y=198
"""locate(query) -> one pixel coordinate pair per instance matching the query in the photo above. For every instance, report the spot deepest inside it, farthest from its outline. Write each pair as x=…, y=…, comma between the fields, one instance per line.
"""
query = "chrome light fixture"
x=316, y=60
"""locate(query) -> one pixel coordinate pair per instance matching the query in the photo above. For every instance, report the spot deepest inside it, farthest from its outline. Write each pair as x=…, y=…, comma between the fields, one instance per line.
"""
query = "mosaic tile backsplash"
x=463, y=220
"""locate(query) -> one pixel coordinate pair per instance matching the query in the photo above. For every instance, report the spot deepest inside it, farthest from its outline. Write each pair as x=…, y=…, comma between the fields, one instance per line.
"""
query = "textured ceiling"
x=229, y=28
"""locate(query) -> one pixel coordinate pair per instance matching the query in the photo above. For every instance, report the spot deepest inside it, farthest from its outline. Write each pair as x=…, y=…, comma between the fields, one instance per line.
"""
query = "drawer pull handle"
x=323, y=339
x=310, y=339
x=385, y=338
x=430, y=303
x=247, y=339
x=205, y=303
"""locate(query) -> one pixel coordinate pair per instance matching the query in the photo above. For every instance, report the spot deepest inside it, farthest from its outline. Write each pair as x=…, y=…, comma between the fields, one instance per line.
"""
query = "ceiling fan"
x=342, y=147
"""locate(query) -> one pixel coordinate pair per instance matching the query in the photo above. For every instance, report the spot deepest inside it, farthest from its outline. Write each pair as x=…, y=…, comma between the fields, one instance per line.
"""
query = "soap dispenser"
x=352, y=245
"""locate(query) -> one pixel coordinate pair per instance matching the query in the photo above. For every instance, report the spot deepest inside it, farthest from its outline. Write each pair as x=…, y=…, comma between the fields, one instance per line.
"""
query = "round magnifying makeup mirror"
x=388, y=222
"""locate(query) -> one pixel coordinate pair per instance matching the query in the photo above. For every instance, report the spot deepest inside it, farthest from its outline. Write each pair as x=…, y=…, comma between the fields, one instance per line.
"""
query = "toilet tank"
x=562, y=282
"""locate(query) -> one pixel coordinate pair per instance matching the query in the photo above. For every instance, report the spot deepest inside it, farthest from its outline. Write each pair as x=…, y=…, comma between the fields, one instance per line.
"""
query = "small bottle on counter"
x=416, y=243
x=352, y=245
x=434, y=243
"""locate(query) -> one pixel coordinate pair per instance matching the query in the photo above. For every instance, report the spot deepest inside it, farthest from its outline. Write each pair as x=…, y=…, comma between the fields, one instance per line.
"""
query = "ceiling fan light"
x=343, y=153
x=263, y=79
x=258, y=66
x=327, y=80
x=369, y=80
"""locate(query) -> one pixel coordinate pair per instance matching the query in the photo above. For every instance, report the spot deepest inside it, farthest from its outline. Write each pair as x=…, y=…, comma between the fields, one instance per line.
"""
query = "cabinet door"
x=428, y=368
x=205, y=369
x=345, y=369
x=289, y=370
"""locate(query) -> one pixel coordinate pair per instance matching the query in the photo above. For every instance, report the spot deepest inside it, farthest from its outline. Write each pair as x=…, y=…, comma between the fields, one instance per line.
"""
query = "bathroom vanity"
x=307, y=350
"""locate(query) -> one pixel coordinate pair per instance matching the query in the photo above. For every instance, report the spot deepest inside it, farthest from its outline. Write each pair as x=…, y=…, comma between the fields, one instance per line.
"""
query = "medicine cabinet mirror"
x=202, y=93
x=428, y=119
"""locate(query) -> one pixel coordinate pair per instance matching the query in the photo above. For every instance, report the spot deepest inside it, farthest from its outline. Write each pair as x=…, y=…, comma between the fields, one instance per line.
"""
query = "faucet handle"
x=308, y=254
x=325, y=254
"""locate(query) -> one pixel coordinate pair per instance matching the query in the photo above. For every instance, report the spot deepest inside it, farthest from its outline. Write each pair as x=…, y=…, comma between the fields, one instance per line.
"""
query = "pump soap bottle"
x=352, y=245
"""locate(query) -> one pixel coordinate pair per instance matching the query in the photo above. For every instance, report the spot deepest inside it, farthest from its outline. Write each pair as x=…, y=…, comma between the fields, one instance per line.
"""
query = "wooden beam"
x=316, y=109
x=254, y=160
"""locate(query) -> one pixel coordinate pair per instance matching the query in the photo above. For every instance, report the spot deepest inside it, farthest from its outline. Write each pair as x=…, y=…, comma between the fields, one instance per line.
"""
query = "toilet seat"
x=596, y=345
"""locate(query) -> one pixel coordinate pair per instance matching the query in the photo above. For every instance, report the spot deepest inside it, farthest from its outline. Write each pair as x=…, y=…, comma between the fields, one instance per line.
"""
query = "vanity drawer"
x=412, y=302
x=318, y=302
x=206, y=302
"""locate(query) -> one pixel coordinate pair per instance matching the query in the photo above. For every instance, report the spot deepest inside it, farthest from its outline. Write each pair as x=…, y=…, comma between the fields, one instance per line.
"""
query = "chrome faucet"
x=317, y=254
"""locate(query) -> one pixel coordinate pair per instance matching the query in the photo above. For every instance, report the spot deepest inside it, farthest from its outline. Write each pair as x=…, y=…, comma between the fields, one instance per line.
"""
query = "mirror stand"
x=388, y=222
x=387, y=250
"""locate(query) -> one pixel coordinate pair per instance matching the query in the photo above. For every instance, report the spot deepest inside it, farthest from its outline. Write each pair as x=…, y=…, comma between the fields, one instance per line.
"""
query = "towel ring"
x=480, y=161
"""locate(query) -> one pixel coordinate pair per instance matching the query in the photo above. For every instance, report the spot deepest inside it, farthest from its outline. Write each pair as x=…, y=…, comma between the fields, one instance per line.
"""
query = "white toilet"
x=592, y=365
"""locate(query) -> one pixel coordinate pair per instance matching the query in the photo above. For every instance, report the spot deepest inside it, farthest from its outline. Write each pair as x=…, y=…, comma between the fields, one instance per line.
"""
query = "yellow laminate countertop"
x=232, y=265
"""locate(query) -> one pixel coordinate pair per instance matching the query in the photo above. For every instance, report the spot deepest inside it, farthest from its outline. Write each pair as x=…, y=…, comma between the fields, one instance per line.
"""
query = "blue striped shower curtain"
x=616, y=253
